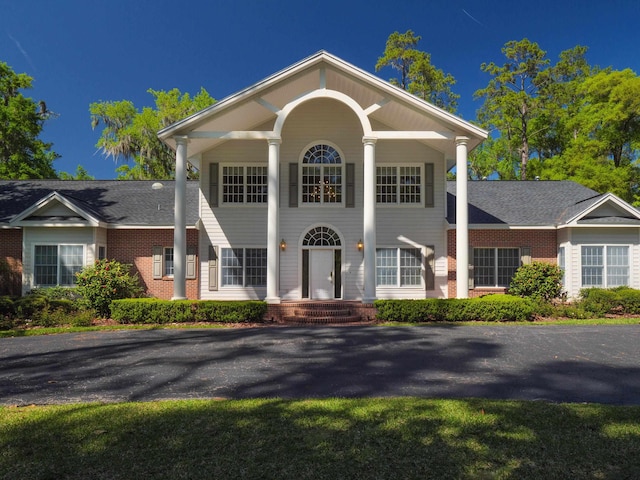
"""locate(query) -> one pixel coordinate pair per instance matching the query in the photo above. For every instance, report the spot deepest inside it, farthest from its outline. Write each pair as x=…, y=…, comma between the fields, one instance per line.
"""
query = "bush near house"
x=602, y=301
x=537, y=280
x=492, y=308
x=105, y=281
x=151, y=310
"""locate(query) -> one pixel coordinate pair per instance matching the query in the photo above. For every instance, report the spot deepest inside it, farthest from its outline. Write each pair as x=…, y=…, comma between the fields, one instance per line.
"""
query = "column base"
x=273, y=300
x=369, y=300
x=179, y=298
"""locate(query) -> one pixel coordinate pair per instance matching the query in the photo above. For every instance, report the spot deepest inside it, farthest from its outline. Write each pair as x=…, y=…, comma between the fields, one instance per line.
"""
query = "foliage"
x=602, y=301
x=105, y=281
x=417, y=74
x=129, y=135
x=22, y=154
x=154, y=311
x=491, y=308
x=537, y=280
x=81, y=174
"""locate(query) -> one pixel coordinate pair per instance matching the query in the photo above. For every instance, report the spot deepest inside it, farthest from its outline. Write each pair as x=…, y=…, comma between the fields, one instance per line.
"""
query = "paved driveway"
x=554, y=363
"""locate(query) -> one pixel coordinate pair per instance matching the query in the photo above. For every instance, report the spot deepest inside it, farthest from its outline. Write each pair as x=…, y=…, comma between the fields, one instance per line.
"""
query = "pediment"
x=608, y=210
x=55, y=210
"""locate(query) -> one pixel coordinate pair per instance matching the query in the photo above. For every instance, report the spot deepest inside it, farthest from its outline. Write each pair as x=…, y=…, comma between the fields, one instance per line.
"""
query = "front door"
x=321, y=274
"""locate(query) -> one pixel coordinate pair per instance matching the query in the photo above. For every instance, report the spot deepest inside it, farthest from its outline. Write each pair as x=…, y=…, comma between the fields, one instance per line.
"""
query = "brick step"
x=321, y=312
x=320, y=320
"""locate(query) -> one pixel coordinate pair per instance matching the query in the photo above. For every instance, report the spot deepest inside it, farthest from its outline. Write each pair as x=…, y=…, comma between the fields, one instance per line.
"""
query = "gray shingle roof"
x=117, y=202
x=522, y=203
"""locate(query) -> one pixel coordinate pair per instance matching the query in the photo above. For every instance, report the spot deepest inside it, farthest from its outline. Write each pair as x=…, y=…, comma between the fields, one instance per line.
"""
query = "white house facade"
x=322, y=182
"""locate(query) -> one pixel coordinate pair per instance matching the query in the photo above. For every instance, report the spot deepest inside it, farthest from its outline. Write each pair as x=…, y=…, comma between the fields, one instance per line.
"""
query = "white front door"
x=321, y=275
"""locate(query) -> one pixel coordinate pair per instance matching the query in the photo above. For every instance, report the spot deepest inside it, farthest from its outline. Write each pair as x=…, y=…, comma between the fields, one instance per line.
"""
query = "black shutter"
x=428, y=185
x=293, y=185
x=213, y=185
x=351, y=185
x=430, y=268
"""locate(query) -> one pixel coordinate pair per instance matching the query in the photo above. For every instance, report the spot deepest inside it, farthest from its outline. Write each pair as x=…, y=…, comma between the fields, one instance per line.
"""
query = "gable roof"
x=113, y=202
x=531, y=203
x=259, y=106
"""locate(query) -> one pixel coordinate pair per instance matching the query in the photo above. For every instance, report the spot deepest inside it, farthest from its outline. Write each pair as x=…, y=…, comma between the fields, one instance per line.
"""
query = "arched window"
x=322, y=175
x=321, y=237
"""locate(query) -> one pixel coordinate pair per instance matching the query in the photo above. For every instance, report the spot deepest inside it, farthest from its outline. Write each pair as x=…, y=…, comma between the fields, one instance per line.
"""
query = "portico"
x=385, y=116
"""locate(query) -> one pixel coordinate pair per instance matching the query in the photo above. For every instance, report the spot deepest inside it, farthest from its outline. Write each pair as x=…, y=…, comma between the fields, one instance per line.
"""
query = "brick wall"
x=134, y=246
x=11, y=253
x=543, y=245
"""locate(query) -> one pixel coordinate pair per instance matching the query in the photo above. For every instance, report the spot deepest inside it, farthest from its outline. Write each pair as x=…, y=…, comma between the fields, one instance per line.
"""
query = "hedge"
x=151, y=310
x=492, y=308
x=602, y=301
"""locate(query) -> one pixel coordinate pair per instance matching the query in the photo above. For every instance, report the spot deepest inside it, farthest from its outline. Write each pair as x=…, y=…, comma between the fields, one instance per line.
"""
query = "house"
x=320, y=182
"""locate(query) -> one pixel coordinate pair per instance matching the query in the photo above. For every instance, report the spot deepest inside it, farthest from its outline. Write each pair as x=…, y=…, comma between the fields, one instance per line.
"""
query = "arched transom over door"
x=321, y=264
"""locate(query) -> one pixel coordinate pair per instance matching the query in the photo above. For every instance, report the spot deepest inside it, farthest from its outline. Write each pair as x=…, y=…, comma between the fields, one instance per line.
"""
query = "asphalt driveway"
x=554, y=363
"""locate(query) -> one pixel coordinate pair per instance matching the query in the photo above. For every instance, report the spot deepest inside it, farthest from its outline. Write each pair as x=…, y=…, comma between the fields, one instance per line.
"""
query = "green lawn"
x=403, y=438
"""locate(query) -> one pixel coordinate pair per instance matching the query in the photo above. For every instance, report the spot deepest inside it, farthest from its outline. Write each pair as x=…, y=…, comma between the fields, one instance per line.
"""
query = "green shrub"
x=600, y=301
x=492, y=308
x=154, y=311
x=105, y=281
x=537, y=280
x=30, y=306
x=82, y=318
x=7, y=307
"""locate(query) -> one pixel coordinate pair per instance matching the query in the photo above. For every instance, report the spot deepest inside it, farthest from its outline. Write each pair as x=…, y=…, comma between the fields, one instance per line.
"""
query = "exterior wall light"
x=360, y=245
x=283, y=245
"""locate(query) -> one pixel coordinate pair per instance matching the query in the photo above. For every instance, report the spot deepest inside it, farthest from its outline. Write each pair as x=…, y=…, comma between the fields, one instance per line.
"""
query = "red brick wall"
x=11, y=253
x=543, y=245
x=134, y=246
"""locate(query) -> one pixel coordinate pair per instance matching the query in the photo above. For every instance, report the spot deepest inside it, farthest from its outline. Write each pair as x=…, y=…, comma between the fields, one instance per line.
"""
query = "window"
x=102, y=252
x=322, y=175
x=494, y=267
x=605, y=266
x=244, y=267
x=399, y=184
x=244, y=184
x=57, y=264
x=398, y=267
x=168, y=261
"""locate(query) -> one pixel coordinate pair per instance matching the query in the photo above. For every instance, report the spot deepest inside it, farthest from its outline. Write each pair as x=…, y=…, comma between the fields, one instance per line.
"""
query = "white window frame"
x=246, y=275
x=496, y=266
x=397, y=167
x=401, y=271
x=58, y=263
x=247, y=197
x=562, y=263
x=323, y=166
x=606, y=283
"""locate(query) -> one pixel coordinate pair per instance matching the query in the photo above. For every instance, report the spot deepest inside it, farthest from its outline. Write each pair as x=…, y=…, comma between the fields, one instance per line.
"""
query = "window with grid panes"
x=605, y=265
x=398, y=267
x=168, y=261
x=244, y=267
x=495, y=267
x=57, y=264
x=399, y=184
x=244, y=184
x=321, y=175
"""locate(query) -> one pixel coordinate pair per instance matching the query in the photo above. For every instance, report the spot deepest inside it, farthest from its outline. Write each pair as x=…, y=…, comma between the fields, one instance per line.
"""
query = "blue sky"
x=83, y=51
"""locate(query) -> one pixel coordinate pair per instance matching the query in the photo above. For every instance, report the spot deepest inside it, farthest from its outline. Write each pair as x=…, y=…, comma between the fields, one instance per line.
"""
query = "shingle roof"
x=117, y=202
x=522, y=203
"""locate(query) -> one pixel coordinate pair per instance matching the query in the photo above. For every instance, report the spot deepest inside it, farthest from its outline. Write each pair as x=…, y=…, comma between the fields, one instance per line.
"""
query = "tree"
x=511, y=101
x=81, y=174
x=129, y=135
x=22, y=154
x=417, y=74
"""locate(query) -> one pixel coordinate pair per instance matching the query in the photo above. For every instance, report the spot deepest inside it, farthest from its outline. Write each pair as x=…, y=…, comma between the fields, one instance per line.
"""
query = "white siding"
x=330, y=121
x=574, y=238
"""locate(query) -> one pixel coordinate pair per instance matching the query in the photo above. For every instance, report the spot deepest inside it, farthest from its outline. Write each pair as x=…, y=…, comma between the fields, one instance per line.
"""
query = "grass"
x=26, y=332
x=399, y=438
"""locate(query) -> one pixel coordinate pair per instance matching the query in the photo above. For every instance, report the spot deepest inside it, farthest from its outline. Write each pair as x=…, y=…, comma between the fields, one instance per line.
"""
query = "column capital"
x=274, y=141
x=369, y=140
x=181, y=139
x=462, y=140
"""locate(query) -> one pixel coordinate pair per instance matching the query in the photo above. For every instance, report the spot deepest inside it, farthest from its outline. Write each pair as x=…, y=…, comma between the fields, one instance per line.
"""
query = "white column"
x=273, y=224
x=369, y=220
x=462, y=220
x=180, y=222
